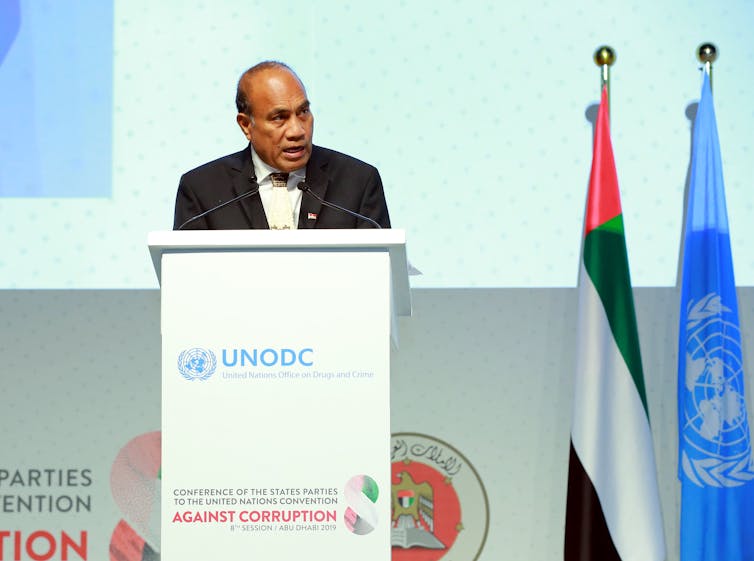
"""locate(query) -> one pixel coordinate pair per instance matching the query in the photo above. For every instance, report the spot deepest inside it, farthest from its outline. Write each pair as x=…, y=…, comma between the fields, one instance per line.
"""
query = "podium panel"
x=275, y=404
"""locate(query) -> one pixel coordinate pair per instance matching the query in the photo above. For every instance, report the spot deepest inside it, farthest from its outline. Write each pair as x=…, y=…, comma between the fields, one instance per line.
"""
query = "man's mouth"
x=294, y=151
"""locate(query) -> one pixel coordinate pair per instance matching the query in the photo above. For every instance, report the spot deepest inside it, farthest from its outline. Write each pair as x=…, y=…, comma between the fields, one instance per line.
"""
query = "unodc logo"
x=197, y=364
x=716, y=430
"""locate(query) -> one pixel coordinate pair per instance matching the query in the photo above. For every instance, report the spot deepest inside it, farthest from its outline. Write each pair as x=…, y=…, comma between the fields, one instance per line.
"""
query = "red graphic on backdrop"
x=426, y=512
x=135, y=485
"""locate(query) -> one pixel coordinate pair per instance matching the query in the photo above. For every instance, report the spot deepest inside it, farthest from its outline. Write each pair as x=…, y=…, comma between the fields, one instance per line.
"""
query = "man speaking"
x=281, y=180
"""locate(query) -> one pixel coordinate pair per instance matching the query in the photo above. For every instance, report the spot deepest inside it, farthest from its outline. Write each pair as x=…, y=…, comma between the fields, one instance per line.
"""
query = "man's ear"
x=244, y=121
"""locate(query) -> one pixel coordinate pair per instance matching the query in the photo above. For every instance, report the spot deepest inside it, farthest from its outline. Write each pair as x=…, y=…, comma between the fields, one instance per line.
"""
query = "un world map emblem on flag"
x=716, y=431
x=197, y=364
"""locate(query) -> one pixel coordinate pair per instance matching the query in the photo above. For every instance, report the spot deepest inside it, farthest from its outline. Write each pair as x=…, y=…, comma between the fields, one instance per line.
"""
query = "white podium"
x=275, y=392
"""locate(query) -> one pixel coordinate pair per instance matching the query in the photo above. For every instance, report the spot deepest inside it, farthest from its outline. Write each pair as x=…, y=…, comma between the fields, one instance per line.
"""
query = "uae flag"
x=613, y=507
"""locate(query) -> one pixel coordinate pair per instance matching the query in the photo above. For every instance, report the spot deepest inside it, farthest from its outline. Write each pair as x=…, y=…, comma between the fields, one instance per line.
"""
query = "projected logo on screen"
x=56, y=66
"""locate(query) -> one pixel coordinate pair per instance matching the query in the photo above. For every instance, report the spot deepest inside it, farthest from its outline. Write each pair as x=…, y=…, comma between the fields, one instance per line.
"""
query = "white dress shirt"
x=263, y=172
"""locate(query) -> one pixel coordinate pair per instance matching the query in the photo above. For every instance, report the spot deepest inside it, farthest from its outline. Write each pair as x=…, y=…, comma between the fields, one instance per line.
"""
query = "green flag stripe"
x=615, y=224
x=606, y=263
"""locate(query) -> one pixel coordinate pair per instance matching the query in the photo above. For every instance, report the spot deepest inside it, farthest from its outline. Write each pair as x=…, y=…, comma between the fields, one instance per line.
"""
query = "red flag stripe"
x=603, y=204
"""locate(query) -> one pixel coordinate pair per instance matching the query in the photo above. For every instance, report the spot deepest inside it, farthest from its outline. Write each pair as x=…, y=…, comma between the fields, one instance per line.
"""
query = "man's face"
x=281, y=126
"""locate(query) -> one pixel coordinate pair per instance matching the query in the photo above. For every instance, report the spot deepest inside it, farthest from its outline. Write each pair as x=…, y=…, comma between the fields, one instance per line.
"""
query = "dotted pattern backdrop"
x=477, y=114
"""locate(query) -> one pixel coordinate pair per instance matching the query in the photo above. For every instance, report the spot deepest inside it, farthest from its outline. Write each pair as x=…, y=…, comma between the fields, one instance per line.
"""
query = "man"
x=275, y=116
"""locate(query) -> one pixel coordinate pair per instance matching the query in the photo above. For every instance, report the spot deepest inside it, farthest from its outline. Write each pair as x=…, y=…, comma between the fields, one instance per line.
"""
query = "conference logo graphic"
x=135, y=483
x=197, y=364
x=716, y=430
x=439, y=504
x=361, y=493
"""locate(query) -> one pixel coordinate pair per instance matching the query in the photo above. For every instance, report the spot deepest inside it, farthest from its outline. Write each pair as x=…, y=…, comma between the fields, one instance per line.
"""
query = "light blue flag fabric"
x=715, y=457
x=10, y=21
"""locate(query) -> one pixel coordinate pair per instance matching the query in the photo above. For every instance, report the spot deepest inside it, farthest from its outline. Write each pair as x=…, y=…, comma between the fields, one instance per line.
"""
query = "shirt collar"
x=263, y=171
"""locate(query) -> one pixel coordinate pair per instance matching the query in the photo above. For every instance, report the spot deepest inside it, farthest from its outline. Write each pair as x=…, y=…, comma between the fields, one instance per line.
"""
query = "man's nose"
x=295, y=128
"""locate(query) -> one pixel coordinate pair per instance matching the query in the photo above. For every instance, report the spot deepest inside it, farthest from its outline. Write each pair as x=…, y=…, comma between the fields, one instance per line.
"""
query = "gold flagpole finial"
x=604, y=57
x=707, y=54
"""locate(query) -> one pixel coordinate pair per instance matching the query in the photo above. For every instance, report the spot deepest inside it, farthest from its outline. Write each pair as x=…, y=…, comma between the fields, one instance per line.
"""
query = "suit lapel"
x=317, y=180
x=252, y=206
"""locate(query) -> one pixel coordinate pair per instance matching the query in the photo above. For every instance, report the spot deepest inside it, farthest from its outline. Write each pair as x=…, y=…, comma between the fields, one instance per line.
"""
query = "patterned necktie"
x=281, y=212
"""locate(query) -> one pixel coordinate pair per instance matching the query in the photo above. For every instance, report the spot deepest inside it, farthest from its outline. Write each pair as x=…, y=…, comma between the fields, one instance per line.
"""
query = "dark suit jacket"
x=335, y=177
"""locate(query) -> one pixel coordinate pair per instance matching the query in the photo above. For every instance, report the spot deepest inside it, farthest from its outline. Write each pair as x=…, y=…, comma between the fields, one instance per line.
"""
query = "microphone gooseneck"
x=250, y=193
x=305, y=188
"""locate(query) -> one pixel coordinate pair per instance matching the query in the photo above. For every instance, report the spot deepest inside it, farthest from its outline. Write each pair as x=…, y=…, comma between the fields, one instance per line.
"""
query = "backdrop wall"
x=475, y=112
x=487, y=371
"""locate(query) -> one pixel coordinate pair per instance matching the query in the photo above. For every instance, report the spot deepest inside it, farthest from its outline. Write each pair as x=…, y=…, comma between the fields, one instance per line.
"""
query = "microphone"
x=305, y=188
x=253, y=191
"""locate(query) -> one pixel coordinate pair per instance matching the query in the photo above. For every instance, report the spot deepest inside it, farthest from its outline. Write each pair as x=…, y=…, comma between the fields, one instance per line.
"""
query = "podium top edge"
x=239, y=239
x=200, y=241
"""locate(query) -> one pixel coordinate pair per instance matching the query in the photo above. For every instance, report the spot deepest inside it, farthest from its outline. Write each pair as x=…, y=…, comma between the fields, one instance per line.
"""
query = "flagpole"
x=613, y=503
x=715, y=467
x=604, y=57
x=707, y=54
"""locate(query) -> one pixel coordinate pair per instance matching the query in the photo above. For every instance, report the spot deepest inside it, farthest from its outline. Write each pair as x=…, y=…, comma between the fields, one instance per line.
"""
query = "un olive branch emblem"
x=717, y=449
x=197, y=364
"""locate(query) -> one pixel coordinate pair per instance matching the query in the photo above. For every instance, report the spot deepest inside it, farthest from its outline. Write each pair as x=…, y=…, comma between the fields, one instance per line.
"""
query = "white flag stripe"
x=610, y=434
